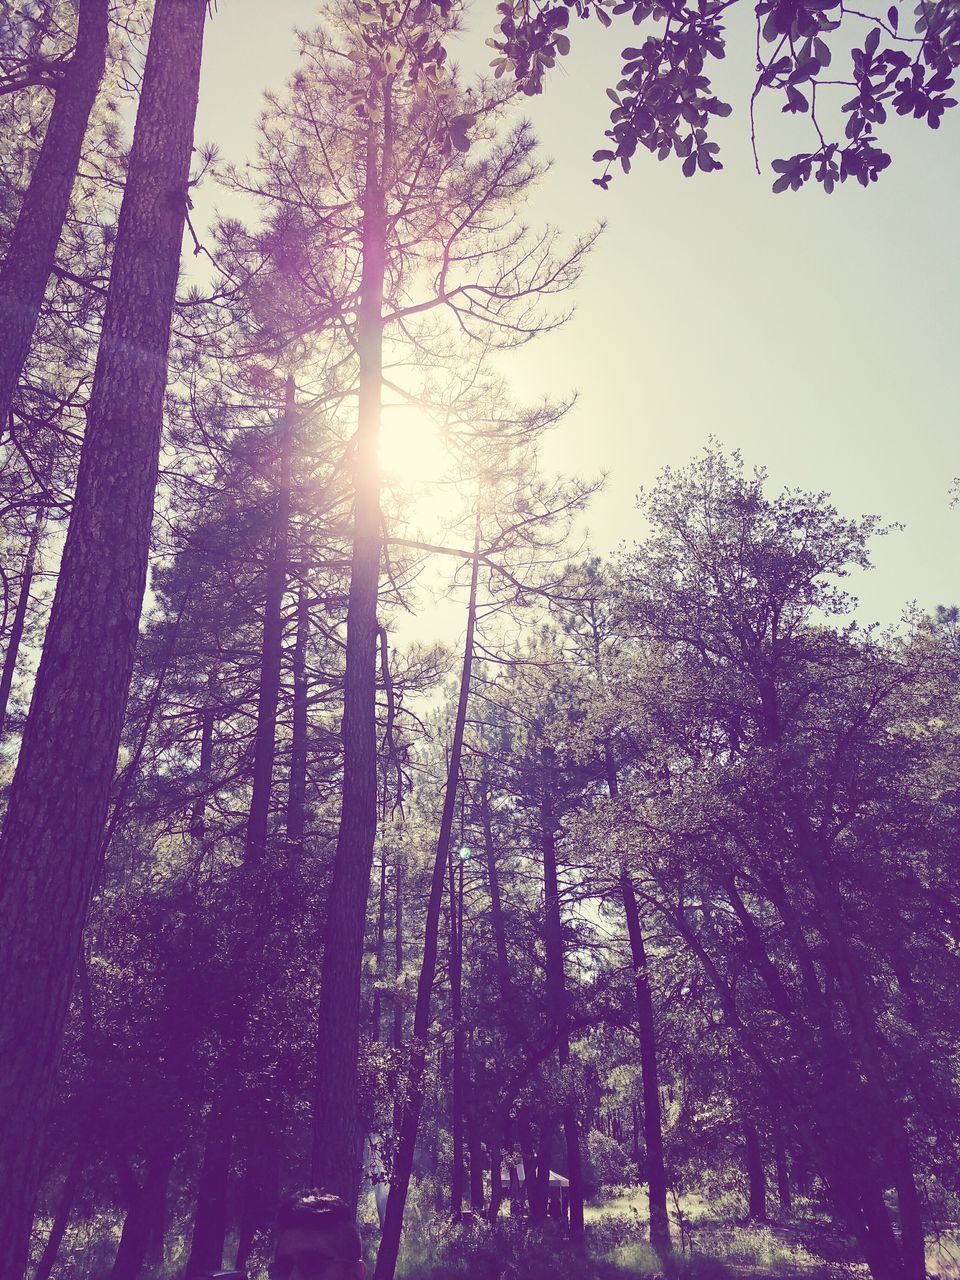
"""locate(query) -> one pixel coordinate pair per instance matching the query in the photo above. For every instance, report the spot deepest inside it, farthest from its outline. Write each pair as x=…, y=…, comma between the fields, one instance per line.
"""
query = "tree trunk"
x=337, y=1136
x=210, y=1218
x=377, y=1012
x=398, y=948
x=68, y=1195
x=297, y=794
x=413, y=1103
x=652, y=1117
x=265, y=741
x=496, y=905
x=33, y=244
x=141, y=1217
x=756, y=1173
x=456, y=1013
x=557, y=985
x=19, y=619
x=198, y=813
x=655, y=1166
x=58, y=799
x=784, y=1196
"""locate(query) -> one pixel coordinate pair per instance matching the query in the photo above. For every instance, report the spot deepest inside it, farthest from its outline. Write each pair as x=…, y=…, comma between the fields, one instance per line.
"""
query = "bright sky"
x=820, y=335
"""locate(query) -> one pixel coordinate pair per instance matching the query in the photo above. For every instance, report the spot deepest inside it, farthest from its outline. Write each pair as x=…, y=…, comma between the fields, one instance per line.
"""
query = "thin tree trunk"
x=198, y=813
x=297, y=794
x=784, y=1196
x=377, y=1015
x=68, y=1195
x=456, y=1013
x=756, y=1173
x=19, y=619
x=58, y=799
x=413, y=1103
x=33, y=244
x=265, y=741
x=557, y=986
x=647, y=1031
x=398, y=948
x=337, y=1138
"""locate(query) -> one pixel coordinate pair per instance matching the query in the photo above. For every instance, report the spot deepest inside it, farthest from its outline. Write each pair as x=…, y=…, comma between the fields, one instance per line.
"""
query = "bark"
x=198, y=813
x=413, y=1103
x=338, y=1137
x=655, y=1166
x=475, y=1147
x=784, y=1195
x=140, y=1219
x=297, y=793
x=36, y=235
x=265, y=740
x=210, y=1219
x=377, y=1014
x=68, y=1195
x=19, y=619
x=557, y=985
x=496, y=904
x=398, y=948
x=456, y=1012
x=58, y=799
x=756, y=1173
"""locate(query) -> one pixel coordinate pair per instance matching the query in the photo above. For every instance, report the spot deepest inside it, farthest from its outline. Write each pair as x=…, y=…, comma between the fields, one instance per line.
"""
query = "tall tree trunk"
x=456, y=1013
x=505, y=981
x=68, y=1195
x=271, y=655
x=58, y=799
x=413, y=1102
x=557, y=984
x=19, y=619
x=398, y=947
x=198, y=813
x=649, y=1075
x=784, y=1196
x=756, y=1172
x=140, y=1219
x=337, y=1138
x=297, y=793
x=210, y=1218
x=379, y=950
x=647, y=1032
x=33, y=245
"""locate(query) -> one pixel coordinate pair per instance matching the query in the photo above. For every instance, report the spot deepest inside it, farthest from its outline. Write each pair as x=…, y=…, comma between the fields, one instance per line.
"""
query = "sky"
x=820, y=335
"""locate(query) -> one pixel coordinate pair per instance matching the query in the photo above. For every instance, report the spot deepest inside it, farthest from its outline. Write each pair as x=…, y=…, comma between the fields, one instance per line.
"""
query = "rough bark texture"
x=557, y=986
x=297, y=793
x=756, y=1173
x=338, y=1134
x=210, y=1218
x=33, y=245
x=410, y=1112
x=68, y=1195
x=649, y=1079
x=647, y=1032
x=265, y=740
x=19, y=619
x=456, y=1008
x=58, y=800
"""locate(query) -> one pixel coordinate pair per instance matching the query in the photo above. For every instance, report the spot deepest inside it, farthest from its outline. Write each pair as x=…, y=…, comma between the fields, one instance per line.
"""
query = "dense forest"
x=570, y=914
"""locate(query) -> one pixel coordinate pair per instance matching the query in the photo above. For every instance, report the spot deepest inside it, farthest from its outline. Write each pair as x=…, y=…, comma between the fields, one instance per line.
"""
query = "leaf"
x=690, y=165
x=893, y=17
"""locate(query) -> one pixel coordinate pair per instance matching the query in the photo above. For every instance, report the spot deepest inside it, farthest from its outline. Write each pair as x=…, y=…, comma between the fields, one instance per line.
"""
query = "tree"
x=33, y=244
x=59, y=794
x=664, y=99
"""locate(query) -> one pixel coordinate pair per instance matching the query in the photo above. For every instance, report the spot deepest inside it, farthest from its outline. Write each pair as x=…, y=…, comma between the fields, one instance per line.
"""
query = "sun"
x=412, y=453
